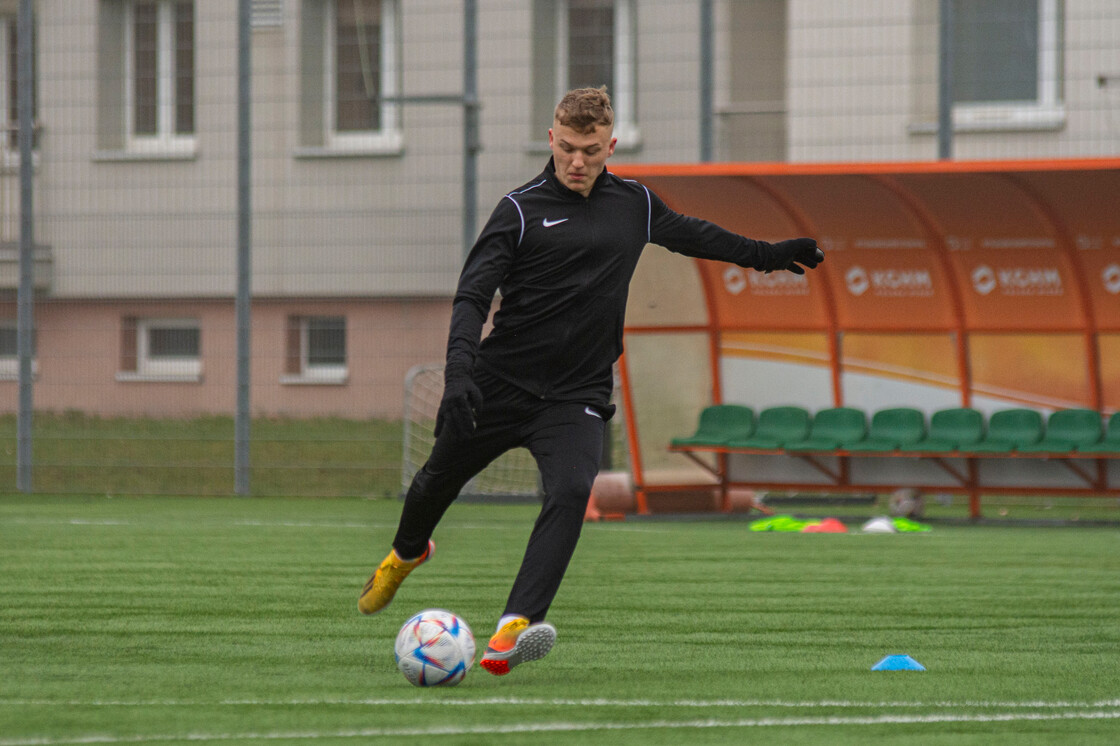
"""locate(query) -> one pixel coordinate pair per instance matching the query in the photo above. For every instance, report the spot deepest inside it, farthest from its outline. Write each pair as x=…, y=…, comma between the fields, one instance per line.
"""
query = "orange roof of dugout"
x=992, y=245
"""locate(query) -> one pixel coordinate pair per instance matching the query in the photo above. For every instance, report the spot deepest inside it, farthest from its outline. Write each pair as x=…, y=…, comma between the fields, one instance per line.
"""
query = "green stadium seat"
x=1009, y=429
x=833, y=428
x=949, y=430
x=718, y=424
x=891, y=428
x=1066, y=429
x=776, y=426
x=1110, y=443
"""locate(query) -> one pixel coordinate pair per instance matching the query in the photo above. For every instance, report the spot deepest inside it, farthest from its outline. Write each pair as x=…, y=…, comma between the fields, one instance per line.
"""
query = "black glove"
x=459, y=407
x=791, y=254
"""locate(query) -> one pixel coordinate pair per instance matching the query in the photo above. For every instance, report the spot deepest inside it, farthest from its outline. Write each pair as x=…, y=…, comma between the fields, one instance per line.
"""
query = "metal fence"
x=229, y=230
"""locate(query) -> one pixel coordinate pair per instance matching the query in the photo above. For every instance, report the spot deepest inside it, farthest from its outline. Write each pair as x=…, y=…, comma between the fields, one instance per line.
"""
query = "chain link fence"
x=381, y=133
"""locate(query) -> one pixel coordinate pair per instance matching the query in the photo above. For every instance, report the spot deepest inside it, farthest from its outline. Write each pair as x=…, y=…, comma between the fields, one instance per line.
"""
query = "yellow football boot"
x=382, y=585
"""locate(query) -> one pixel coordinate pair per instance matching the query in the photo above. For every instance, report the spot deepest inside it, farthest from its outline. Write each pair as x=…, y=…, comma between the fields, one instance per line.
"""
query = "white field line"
x=559, y=702
x=563, y=727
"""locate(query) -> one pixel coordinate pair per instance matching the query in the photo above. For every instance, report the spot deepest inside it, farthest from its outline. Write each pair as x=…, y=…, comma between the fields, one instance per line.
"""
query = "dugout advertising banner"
x=1102, y=281
x=1033, y=287
x=746, y=299
x=894, y=289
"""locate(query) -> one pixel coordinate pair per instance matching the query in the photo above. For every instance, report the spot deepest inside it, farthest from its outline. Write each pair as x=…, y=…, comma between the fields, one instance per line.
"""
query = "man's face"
x=580, y=156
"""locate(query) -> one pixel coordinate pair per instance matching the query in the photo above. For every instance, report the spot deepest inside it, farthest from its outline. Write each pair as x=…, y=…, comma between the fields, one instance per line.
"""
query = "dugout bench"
x=989, y=285
x=957, y=450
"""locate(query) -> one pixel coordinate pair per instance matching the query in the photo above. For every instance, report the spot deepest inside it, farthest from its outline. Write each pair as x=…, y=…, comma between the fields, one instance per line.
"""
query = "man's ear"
x=550, y=137
x=610, y=149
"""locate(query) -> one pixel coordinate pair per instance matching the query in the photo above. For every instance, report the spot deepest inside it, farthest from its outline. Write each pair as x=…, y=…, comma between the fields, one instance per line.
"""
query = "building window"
x=587, y=43
x=159, y=59
x=9, y=94
x=266, y=14
x=1007, y=59
x=9, y=350
x=752, y=122
x=590, y=55
x=316, y=350
x=160, y=349
x=360, y=71
x=349, y=74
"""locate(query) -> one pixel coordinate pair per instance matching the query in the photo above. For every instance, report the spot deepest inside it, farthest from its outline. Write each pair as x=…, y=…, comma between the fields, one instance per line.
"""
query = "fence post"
x=945, y=83
x=707, y=128
x=244, y=256
x=471, y=137
x=26, y=294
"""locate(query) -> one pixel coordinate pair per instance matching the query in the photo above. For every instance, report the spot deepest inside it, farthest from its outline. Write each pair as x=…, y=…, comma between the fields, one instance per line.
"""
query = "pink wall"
x=79, y=357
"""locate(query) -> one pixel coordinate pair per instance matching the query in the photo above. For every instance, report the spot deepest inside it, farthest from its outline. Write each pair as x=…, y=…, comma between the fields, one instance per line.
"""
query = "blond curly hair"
x=584, y=109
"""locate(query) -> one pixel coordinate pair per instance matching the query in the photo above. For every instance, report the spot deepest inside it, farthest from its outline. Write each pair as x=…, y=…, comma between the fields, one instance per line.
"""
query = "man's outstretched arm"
x=706, y=240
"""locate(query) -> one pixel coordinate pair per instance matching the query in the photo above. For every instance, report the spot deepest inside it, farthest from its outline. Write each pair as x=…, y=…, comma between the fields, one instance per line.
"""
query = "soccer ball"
x=435, y=648
x=907, y=503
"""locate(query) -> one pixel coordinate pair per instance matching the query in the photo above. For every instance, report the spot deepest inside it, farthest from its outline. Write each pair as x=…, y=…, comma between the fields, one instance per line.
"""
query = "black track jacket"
x=563, y=264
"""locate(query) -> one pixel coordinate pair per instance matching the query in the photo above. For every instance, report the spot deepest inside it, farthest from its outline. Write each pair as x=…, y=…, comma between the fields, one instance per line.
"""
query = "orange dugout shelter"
x=946, y=284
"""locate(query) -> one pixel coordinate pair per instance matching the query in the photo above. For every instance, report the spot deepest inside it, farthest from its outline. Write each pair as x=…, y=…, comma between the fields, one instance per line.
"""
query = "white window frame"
x=623, y=97
x=9, y=364
x=387, y=139
x=184, y=368
x=166, y=140
x=9, y=154
x=1047, y=111
x=330, y=374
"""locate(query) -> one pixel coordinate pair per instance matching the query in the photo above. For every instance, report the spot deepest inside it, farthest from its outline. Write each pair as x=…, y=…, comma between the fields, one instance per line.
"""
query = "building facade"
x=357, y=186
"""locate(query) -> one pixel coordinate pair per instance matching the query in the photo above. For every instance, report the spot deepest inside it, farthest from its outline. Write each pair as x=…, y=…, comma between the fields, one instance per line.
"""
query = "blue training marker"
x=898, y=663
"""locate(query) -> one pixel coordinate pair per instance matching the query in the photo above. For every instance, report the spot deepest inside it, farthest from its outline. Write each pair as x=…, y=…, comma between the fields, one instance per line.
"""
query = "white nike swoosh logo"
x=549, y=223
x=592, y=412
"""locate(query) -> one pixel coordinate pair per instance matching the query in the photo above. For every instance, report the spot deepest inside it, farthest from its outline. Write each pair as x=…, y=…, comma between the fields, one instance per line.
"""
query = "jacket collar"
x=550, y=174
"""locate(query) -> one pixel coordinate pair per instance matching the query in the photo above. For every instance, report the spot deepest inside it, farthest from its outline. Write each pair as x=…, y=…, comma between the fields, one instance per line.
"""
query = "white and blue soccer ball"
x=435, y=648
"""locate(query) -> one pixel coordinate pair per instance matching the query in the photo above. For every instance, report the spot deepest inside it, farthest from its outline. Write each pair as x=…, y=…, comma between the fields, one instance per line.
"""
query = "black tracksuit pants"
x=566, y=440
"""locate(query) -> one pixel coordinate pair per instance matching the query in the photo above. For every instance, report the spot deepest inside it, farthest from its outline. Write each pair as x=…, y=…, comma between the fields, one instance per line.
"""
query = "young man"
x=561, y=249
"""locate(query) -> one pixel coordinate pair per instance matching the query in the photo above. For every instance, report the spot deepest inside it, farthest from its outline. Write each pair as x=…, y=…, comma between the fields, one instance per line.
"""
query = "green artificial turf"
x=233, y=620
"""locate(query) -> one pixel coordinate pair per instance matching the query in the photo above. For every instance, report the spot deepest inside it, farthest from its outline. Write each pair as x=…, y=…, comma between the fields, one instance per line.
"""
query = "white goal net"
x=513, y=475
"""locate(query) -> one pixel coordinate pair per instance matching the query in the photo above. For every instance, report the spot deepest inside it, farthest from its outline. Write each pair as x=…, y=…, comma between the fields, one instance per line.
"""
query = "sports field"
x=179, y=620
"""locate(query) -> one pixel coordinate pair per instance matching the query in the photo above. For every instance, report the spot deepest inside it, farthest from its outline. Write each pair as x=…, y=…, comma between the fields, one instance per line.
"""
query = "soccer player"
x=561, y=249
